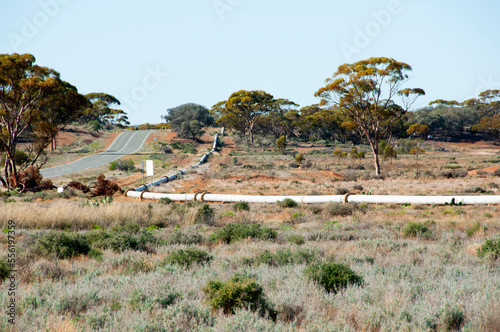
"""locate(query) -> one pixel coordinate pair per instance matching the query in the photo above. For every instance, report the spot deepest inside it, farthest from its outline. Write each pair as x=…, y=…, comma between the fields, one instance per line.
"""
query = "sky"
x=157, y=54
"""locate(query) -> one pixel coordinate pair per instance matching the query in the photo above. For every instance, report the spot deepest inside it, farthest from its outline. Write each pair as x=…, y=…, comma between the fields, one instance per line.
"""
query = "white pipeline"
x=380, y=199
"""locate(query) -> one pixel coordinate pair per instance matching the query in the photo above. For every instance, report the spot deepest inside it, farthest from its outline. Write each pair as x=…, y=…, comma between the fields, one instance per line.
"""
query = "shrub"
x=239, y=292
x=453, y=319
x=287, y=203
x=296, y=238
x=121, y=238
x=497, y=172
x=333, y=276
x=4, y=269
x=281, y=144
x=416, y=229
x=241, y=206
x=337, y=209
x=473, y=230
x=205, y=214
x=235, y=232
x=181, y=238
x=164, y=201
x=122, y=165
x=299, y=158
x=490, y=248
x=61, y=245
x=452, y=174
x=187, y=257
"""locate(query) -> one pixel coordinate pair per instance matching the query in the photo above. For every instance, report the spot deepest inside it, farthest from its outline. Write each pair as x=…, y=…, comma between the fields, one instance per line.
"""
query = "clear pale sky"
x=157, y=54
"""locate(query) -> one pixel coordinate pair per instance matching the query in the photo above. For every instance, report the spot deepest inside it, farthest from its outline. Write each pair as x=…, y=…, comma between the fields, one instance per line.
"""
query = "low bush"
x=239, y=292
x=241, y=206
x=121, y=238
x=416, y=229
x=333, y=276
x=205, y=215
x=235, y=232
x=189, y=256
x=122, y=165
x=490, y=248
x=452, y=174
x=165, y=201
x=337, y=209
x=287, y=203
x=181, y=238
x=61, y=245
x=296, y=239
x=497, y=172
x=473, y=230
x=4, y=269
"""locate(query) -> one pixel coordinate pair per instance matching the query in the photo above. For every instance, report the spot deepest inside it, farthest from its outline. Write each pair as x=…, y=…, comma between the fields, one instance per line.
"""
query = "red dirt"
x=487, y=169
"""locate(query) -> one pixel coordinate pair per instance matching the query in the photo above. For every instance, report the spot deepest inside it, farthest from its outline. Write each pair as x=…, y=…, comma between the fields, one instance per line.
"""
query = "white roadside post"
x=150, y=169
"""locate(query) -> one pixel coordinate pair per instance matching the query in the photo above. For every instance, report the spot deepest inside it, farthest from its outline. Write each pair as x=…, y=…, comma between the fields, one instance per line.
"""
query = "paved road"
x=126, y=143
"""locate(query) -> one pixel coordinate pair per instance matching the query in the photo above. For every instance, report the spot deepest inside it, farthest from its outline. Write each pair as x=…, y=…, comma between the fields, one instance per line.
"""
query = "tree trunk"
x=377, y=163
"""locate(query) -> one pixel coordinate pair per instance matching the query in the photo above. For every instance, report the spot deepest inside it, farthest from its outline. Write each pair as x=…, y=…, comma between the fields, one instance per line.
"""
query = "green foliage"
x=4, y=269
x=61, y=245
x=94, y=125
x=281, y=144
x=333, y=276
x=473, y=230
x=205, y=214
x=296, y=239
x=453, y=319
x=179, y=237
x=185, y=148
x=20, y=157
x=121, y=238
x=416, y=229
x=287, y=203
x=188, y=120
x=490, y=248
x=235, y=232
x=299, y=158
x=241, y=206
x=189, y=256
x=454, y=203
x=239, y=292
x=165, y=201
x=122, y=165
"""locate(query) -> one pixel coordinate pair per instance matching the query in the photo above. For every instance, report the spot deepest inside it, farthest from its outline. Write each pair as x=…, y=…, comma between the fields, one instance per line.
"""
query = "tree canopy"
x=33, y=101
x=188, y=120
x=365, y=93
x=244, y=109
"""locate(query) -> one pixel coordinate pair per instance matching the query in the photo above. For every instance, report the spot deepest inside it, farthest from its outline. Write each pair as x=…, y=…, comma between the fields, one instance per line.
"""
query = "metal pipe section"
x=377, y=199
x=174, y=176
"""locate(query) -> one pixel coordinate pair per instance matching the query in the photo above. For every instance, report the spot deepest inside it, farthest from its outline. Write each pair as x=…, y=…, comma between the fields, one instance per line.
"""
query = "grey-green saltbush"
x=189, y=256
x=333, y=276
x=61, y=245
x=490, y=248
x=234, y=232
x=239, y=292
